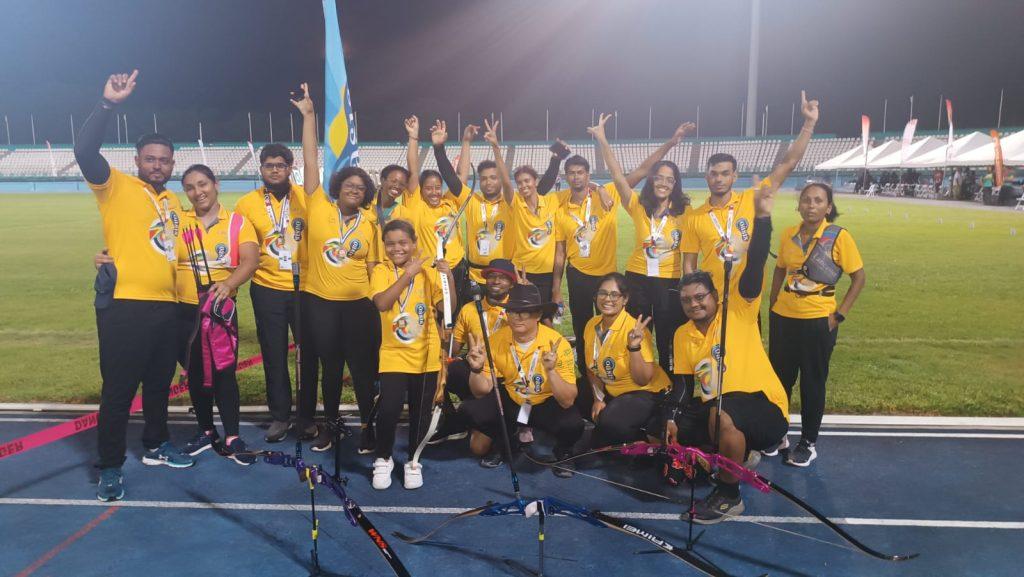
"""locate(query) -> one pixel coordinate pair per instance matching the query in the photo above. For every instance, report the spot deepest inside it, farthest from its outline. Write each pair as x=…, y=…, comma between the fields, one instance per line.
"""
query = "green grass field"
x=939, y=329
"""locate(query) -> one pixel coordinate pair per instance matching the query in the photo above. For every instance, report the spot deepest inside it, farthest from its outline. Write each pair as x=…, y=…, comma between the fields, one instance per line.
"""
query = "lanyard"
x=161, y=214
x=490, y=330
x=483, y=212
x=599, y=343
x=402, y=301
x=341, y=226
x=656, y=231
x=725, y=234
x=278, y=226
x=586, y=214
x=524, y=378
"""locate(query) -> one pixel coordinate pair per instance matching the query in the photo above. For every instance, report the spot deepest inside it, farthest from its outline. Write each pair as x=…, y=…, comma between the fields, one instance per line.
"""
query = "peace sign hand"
x=415, y=265
x=636, y=336
x=120, y=86
x=521, y=276
x=491, y=135
x=304, y=104
x=476, y=355
x=598, y=129
x=550, y=358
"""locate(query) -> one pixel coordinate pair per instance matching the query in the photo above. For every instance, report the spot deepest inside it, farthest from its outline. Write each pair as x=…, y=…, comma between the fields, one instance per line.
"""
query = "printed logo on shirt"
x=222, y=252
x=660, y=248
x=442, y=225
x=538, y=237
x=159, y=236
x=609, y=368
x=273, y=244
x=298, y=225
x=743, y=225
x=499, y=230
x=704, y=375
x=334, y=252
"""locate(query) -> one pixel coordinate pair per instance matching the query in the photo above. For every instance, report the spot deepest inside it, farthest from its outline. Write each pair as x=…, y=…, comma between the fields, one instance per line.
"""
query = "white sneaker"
x=413, y=476
x=382, y=469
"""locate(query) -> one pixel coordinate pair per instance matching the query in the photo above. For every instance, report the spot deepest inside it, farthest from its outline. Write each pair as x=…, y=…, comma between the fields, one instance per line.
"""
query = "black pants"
x=760, y=421
x=543, y=281
x=458, y=379
x=275, y=312
x=804, y=347
x=657, y=297
x=225, y=384
x=138, y=343
x=582, y=288
x=565, y=424
x=460, y=272
x=395, y=388
x=624, y=418
x=338, y=333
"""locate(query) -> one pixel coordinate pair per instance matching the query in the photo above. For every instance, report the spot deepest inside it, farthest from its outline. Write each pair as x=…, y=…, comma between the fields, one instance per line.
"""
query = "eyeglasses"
x=694, y=299
x=272, y=166
x=669, y=180
x=611, y=295
x=519, y=315
x=355, y=187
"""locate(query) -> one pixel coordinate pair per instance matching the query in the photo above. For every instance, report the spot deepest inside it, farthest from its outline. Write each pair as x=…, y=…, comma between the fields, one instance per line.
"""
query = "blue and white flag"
x=341, y=146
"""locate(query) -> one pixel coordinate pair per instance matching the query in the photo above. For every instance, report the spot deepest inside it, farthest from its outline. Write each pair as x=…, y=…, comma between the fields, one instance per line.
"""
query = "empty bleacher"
x=752, y=156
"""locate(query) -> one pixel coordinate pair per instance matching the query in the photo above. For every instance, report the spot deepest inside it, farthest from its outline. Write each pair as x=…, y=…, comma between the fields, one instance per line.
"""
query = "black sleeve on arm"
x=547, y=180
x=87, y=147
x=679, y=395
x=757, y=254
x=444, y=166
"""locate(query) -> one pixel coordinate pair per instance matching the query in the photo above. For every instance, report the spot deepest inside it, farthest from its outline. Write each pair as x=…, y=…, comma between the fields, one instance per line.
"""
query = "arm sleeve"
x=679, y=395
x=444, y=166
x=547, y=180
x=753, y=274
x=87, y=149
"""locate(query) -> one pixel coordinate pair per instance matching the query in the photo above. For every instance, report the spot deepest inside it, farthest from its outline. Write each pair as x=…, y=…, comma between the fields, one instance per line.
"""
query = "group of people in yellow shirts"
x=375, y=269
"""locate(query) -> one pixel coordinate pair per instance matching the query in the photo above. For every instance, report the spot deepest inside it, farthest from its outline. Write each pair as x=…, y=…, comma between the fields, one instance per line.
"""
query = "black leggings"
x=624, y=418
x=338, y=333
x=804, y=347
x=225, y=384
x=482, y=414
x=657, y=297
x=582, y=288
x=394, y=389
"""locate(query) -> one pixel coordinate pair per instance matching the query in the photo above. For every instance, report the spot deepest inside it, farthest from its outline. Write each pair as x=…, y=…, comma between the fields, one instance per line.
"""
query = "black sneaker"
x=238, y=452
x=199, y=443
x=324, y=441
x=716, y=507
x=563, y=470
x=802, y=454
x=367, y=440
x=309, y=432
x=774, y=449
x=492, y=460
x=277, y=431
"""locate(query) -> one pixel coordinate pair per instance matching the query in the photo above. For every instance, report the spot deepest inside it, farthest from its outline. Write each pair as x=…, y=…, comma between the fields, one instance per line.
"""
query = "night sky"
x=215, y=60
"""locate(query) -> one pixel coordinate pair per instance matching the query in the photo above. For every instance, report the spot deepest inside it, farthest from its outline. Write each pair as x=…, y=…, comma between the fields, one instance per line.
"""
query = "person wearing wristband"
x=409, y=299
x=804, y=320
x=536, y=381
x=135, y=300
x=340, y=325
x=627, y=382
x=722, y=224
x=658, y=214
x=755, y=408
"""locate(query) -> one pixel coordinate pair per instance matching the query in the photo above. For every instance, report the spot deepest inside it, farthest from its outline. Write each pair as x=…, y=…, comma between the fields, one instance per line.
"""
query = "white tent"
x=833, y=163
x=938, y=157
x=896, y=157
x=1013, y=153
x=857, y=161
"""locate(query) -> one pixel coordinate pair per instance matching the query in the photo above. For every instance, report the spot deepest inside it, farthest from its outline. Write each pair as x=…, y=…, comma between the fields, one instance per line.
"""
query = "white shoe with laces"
x=413, y=476
x=382, y=469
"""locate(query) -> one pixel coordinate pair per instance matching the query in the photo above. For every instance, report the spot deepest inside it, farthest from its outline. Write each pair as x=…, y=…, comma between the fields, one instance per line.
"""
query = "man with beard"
x=278, y=212
x=488, y=220
x=136, y=300
x=723, y=224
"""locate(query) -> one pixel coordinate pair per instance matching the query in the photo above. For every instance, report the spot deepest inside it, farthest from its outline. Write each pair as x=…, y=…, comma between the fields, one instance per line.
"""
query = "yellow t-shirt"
x=536, y=389
x=701, y=235
x=589, y=231
x=656, y=251
x=339, y=253
x=791, y=303
x=431, y=223
x=468, y=321
x=140, y=228
x=272, y=224
x=218, y=247
x=533, y=248
x=747, y=370
x=489, y=227
x=609, y=360
x=409, y=339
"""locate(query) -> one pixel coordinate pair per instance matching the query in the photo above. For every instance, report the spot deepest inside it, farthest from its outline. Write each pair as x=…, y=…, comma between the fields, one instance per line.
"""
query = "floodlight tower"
x=755, y=35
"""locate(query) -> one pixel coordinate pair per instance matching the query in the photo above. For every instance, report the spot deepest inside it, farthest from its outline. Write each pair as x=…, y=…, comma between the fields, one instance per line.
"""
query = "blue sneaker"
x=167, y=454
x=238, y=452
x=199, y=443
x=111, y=485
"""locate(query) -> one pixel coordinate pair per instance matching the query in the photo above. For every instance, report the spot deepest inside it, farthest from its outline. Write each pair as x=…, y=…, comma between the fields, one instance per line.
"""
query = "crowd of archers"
x=358, y=270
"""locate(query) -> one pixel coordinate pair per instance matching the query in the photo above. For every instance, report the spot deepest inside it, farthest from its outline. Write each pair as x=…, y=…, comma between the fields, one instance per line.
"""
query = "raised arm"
x=310, y=144
x=412, y=152
x=640, y=172
x=809, y=110
x=559, y=152
x=752, y=278
x=640, y=369
x=491, y=136
x=622, y=184
x=438, y=136
x=94, y=167
x=465, y=160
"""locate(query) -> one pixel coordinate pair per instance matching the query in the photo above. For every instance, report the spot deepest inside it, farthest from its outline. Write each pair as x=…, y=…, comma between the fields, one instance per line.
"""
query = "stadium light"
x=999, y=118
x=7, y=125
x=32, y=121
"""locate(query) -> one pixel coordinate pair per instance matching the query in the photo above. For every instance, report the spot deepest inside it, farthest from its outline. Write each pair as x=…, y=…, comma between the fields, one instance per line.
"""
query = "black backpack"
x=820, y=266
